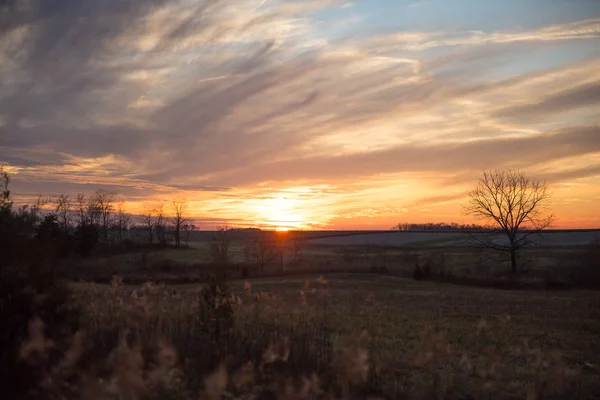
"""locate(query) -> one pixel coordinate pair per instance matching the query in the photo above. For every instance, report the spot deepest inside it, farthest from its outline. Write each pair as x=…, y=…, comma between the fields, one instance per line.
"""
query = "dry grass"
x=332, y=337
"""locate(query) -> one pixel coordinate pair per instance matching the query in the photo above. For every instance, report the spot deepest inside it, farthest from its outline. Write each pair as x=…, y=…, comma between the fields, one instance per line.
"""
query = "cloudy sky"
x=309, y=113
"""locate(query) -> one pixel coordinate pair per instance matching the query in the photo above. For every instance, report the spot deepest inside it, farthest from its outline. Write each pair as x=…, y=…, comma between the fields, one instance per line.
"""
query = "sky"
x=308, y=114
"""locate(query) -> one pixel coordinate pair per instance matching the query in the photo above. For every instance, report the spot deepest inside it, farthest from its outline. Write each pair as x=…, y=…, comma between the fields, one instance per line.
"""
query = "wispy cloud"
x=419, y=41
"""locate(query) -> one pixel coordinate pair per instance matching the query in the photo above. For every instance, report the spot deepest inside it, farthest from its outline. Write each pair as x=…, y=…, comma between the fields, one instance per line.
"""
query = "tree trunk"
x=513, y=260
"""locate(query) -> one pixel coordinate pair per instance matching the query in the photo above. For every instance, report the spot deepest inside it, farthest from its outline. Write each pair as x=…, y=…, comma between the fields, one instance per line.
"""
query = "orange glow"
x=280, y=213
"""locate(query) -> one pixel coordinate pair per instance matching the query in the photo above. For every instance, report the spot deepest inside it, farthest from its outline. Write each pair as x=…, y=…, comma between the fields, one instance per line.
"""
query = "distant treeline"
x=441, y=226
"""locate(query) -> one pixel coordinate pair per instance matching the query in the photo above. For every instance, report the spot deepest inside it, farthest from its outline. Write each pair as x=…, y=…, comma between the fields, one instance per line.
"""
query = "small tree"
x=260, y=250
x=513, y=202
x=103, y=204
x=160, y=228
x=219, y=247
x=81, y=209
x=296, y=249
x=148, y=221
x=122, y=221
x=281, y=244
x=5, y=199
x=179, y=208
x=64, y=206
x=187, y=228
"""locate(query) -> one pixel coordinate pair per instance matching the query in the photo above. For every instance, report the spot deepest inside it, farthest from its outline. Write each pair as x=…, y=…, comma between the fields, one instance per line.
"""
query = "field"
x=554, y=259
x=415, y=339
x=450, y=239
x=344, y=316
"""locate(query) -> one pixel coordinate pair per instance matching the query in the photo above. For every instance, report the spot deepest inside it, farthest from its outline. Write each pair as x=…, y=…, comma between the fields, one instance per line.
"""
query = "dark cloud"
x=65, y=60
x=578, y=97
x=84, y=142
x=474, y=156
x=570, y=174
x=30, y=158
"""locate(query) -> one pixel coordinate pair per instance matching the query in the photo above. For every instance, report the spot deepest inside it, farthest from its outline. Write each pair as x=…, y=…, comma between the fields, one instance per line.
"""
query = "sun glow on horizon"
x=281, y=213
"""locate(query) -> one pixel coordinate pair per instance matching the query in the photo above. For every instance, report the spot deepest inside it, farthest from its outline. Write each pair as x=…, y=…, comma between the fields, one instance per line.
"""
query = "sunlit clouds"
x=308, y=114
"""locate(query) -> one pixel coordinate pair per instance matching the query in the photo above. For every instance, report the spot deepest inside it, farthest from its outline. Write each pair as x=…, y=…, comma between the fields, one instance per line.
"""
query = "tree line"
x=82, y=222
x=440, y=226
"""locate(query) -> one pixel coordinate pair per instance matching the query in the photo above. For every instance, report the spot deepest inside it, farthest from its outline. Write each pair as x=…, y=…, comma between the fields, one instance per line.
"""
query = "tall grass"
x=154, y=341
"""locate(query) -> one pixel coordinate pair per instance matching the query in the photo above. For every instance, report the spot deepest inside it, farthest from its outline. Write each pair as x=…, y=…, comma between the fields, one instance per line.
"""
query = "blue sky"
x=312, y=113
x=381, y=15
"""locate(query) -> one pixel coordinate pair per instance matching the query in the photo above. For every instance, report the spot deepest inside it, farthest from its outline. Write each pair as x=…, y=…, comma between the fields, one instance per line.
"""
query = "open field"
x=422, y=339
x=402, y=238
x=451, y=239
x=351, y=317
x=359, y=252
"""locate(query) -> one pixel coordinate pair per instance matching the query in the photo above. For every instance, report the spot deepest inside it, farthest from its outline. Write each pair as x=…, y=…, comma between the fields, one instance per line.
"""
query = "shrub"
x=86, y=239
x=421, y=273
x=585, y=270
x=35, y=314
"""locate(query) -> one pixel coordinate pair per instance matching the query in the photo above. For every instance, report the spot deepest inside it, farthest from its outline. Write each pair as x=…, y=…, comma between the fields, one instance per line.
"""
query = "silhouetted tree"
x=260, y=249
x=280, y=247
x=515, y=203
x=122, y=221
x=5, y=199
x=81, y=209
x=160, y=228
x=103, y=205
x=148, y=221
x=187, y=228
x=296, y=248
x=439, y=226
x=30, y=288
x=219, y=246
x=64, y=206
x=179, y=219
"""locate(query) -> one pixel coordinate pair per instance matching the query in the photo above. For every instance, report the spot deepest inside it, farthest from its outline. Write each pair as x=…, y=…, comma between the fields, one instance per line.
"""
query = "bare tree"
x=280, y=246
x=5, y=199
x=64, y=206
x=296, y=249
x=81, y=204
x=103, y=202
x=260, y=250
x=187, y=228
x=513, y=202
x=160, y=228
x=219, y=246
x=123, y=220
x=148, y=221
x=179, y=218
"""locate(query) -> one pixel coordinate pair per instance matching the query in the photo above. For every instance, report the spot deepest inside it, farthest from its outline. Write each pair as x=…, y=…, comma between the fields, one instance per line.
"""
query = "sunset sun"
x=281, y=214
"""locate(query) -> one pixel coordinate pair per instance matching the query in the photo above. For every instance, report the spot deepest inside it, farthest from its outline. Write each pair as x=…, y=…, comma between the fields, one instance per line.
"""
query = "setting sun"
x=280, y=213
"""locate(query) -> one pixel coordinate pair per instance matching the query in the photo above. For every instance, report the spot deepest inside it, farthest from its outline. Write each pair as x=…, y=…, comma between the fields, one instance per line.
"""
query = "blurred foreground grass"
x=352, y=335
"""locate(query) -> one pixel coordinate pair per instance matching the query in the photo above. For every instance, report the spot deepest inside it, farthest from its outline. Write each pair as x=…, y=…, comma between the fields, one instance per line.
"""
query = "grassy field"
x=347, y=321
x=415, y=339
x=186, y=264
x=404, y=238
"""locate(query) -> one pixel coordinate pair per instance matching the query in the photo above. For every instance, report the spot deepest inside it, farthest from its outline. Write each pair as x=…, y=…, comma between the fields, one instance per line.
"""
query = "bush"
x=586, y=269
x=86, y=239
x=34, y=312
x=421, y=273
